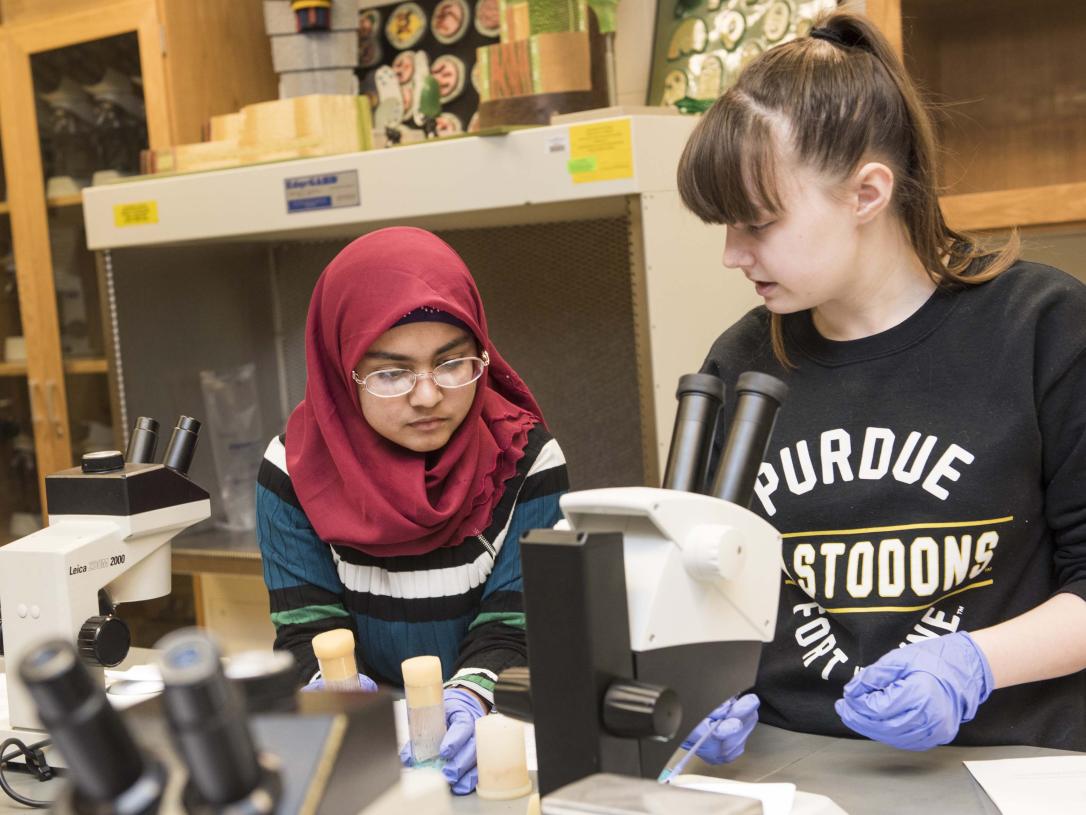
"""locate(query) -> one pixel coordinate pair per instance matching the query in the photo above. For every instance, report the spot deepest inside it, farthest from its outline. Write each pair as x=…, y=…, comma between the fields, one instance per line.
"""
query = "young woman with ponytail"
x=928, y=472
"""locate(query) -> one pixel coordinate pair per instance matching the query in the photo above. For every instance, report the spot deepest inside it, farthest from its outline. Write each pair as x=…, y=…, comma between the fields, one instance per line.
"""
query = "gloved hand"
x=462, y=708
x=917, y=696
x=731, y=725
x=365, y=684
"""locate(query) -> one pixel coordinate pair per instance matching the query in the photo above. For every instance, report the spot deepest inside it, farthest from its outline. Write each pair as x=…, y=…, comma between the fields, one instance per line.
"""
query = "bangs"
x=726, y=171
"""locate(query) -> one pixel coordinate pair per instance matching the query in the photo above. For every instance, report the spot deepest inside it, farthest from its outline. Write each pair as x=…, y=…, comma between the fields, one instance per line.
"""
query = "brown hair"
x=840, y=97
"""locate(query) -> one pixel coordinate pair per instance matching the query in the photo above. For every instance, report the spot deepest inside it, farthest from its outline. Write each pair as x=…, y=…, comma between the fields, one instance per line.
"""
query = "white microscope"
x=110, y=526
x=656, y=602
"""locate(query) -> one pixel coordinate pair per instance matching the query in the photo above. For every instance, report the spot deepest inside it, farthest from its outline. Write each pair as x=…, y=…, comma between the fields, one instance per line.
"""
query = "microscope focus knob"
x=104, y=641
x=639, y=710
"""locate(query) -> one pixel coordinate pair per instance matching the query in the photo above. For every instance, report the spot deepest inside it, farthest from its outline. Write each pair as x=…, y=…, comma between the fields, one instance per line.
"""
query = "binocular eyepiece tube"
x=142, y=442
x=758, y=400
x=182, y=445
x=108, y=771
x=179, y=451
x=208, y=720
x=700, y=398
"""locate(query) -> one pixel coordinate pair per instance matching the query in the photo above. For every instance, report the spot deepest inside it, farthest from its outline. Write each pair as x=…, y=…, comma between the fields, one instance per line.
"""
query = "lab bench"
x=862, y=777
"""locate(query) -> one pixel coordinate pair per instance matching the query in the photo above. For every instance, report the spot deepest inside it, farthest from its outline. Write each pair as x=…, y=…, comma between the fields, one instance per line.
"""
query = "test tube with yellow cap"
x=425, y=708
x=335, y=654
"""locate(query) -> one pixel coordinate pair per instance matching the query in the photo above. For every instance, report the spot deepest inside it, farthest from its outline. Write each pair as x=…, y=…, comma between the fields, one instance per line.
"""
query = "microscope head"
x=656, y=601
x=110, y=524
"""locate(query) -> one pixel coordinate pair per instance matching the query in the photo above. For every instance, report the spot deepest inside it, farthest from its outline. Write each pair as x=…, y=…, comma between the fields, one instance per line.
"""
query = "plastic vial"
x=503, y=765
x=425, y=708
x=335, y=654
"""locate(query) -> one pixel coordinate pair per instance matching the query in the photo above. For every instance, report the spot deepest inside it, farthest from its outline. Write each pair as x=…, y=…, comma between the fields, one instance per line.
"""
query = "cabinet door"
x=72, y=92
x=20, y=501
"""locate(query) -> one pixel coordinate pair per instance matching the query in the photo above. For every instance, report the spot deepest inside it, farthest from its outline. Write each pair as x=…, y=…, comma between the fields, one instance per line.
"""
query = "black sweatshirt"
x=927, y=479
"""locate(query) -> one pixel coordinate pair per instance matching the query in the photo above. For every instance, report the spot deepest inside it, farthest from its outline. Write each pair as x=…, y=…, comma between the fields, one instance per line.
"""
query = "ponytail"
x=842, y=94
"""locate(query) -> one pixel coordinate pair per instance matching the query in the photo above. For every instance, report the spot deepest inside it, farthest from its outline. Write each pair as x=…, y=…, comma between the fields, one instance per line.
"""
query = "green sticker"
x=586, y=164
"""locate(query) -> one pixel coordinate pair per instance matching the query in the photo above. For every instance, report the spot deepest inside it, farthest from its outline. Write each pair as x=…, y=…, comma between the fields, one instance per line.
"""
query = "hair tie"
x=829, y=35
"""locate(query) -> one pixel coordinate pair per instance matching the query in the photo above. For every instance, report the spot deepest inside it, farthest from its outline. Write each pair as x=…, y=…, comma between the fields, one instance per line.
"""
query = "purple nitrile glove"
x=916, y=697
x=462, y=708
x=731, y=725
x=365, y=684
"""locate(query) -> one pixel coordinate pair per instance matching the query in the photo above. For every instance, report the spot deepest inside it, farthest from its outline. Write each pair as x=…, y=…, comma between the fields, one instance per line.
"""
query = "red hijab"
x=356, y=487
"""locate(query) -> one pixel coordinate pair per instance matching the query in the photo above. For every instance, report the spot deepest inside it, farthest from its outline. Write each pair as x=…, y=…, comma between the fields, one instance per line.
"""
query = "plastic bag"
x=235, y=425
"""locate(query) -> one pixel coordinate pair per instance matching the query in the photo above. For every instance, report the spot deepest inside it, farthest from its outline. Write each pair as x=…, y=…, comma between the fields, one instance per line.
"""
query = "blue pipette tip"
x=680, y=765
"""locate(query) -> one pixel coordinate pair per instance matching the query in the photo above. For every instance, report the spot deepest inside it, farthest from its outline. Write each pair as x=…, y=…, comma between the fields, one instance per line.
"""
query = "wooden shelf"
x=93, y=365
x=1028, y=206
x=65, y=201
x=59, y=201
x=250, y=201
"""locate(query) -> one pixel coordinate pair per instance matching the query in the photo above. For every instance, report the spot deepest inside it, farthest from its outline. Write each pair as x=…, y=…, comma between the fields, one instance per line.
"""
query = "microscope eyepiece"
x=700, y=397
x=182, y=445
x=102, y=757
x=207, y=717
x=143, y=441
x=759, y=398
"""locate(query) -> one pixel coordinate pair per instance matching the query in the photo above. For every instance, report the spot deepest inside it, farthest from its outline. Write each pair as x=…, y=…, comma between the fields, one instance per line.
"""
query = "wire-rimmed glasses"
x=455, y=373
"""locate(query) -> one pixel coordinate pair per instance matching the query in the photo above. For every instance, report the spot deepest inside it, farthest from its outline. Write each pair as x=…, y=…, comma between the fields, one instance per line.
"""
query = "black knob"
x=513, y=694
x=103, y=461
x=641, y=711
x=104, y=641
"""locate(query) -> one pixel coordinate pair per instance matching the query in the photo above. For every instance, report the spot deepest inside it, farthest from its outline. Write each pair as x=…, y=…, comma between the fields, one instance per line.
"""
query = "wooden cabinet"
x=189, y=59
x=1009, y=79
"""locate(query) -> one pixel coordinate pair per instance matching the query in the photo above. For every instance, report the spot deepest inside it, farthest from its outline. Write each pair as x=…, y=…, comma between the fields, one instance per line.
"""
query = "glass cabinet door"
x=92, y=127
x=20, y=500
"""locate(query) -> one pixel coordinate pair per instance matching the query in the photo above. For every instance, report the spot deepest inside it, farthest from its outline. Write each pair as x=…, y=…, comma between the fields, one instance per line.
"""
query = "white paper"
x=129, y=687
x=777, y=799
x=1025, y=786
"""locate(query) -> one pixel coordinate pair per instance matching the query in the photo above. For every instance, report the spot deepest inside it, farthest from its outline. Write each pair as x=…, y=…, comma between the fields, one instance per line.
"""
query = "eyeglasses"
x=456, y=373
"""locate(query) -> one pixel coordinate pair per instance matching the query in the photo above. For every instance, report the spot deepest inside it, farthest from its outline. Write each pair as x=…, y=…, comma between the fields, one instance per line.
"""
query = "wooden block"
x=553, y=16
x=545, y=63
x=226, y=127
x=561, y=62
x=514, y=20
x=300, y=127
x=521, y=19
x=332, y=123
x=507, y=67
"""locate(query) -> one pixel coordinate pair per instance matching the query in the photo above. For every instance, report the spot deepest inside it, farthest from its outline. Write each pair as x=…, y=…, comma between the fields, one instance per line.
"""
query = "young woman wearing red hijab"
x=395, y=501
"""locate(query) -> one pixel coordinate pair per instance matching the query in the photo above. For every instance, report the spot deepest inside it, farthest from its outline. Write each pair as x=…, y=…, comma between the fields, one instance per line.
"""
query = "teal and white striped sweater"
x=461, y=603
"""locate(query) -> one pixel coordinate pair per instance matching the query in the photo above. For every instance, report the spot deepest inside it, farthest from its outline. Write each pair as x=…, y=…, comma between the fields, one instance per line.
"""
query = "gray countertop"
x=862, y=777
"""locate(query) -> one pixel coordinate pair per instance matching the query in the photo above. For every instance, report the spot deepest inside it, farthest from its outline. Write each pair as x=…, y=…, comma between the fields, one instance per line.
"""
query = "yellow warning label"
x=138, y=213
x=600, y=151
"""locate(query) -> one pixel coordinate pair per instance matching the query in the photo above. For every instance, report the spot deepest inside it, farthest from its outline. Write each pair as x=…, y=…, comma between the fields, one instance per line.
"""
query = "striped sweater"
x=461, y=603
